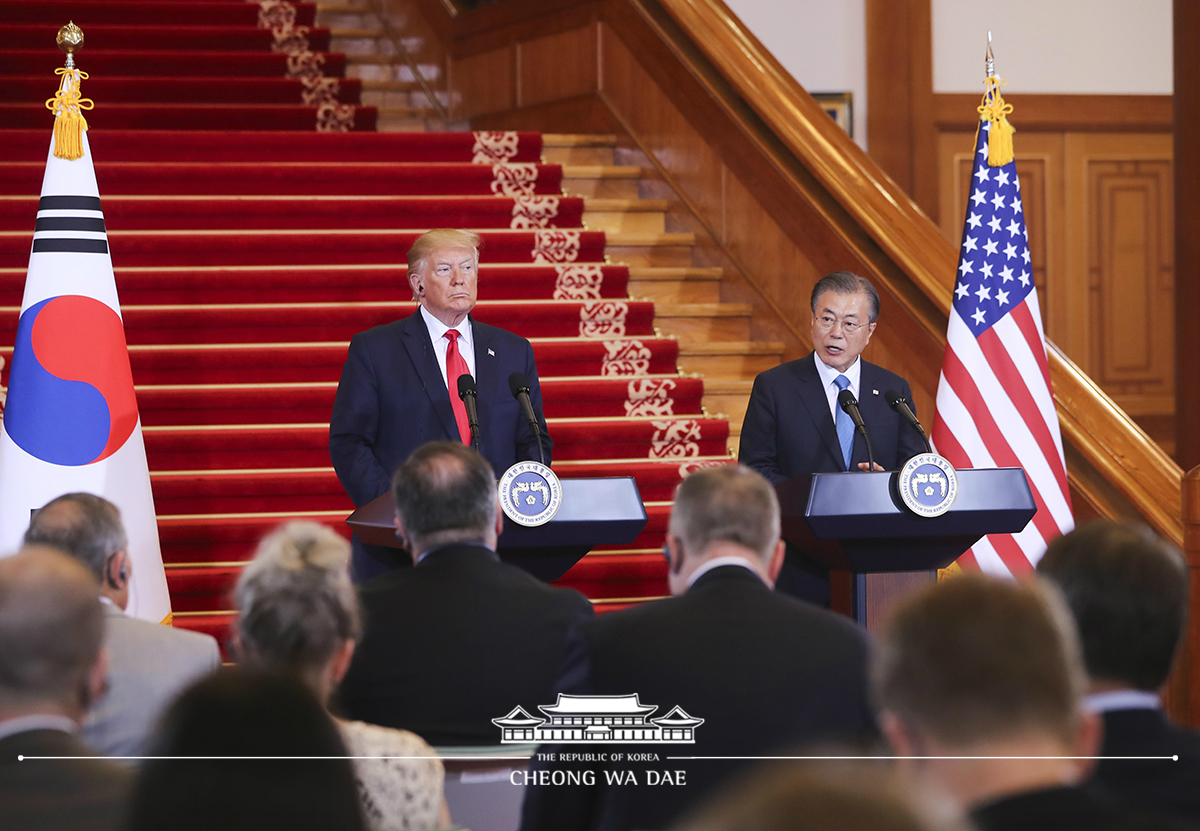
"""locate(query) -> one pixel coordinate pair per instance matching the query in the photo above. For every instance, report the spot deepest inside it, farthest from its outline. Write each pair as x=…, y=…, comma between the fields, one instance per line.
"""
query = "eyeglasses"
x=826, y=323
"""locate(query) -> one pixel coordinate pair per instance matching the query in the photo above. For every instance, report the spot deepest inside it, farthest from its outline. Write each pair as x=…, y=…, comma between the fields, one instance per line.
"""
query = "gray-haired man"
x=149, y=664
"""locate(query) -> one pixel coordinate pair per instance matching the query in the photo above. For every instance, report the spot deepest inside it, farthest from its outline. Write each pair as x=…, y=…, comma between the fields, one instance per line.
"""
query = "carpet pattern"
x=251, y=240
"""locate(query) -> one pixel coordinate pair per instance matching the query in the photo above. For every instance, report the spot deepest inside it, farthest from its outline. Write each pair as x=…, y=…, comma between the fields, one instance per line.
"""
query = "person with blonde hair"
x=400, y=385
x=298, y=612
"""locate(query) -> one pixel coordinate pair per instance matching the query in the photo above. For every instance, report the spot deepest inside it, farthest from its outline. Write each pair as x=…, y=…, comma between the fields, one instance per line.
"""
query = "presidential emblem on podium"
x=530, y=494
x=928, y=485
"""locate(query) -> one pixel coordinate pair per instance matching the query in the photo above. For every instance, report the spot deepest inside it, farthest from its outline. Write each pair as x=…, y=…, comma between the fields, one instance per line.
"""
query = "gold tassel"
x=995, y=111
x=67, y=107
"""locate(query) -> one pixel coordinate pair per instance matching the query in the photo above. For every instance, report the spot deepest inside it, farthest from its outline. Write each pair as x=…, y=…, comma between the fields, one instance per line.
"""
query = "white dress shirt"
x=1121, y=700
x=829, y=374
x=437, y=335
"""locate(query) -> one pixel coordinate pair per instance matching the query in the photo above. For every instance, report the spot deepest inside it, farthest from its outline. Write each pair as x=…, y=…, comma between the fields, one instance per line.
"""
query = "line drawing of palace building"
x=598, y=719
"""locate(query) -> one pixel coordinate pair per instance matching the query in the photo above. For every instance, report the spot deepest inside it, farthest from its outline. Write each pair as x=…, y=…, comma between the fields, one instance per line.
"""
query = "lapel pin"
x=874, y=392
x=490, y=352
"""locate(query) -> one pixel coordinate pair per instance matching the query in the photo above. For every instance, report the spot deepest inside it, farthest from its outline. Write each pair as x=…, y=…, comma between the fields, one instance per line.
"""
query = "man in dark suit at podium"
x=795, y=426
x=1128, y=592
x=766, y=672
x=461, y=638
x=399, y=387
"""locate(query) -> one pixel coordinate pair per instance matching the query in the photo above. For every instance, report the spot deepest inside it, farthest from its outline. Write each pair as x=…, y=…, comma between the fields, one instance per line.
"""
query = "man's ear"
x=675, y=549
x=499, y=518
x=1088, y=737
x=340, y=663
x=116, y=572
x=775, y=564
x=414, y=282
x=898, y=736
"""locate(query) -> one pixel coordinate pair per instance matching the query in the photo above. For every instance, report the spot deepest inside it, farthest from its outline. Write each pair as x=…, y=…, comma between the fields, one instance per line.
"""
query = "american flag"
x=994, y=405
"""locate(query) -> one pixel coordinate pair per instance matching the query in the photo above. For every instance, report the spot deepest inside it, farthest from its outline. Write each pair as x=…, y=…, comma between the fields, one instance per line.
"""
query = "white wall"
x=822, y=43
x=1054, y=46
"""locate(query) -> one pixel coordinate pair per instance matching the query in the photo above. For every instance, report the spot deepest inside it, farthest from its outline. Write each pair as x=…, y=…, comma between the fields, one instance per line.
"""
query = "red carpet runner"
x=246, y=259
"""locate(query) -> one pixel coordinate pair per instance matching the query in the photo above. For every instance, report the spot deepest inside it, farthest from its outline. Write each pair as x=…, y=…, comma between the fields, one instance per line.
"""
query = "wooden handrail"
x=1102, y=434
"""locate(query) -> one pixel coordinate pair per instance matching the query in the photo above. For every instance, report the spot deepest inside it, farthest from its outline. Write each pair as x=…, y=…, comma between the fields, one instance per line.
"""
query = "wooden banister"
x=1116, y=453
x=802, y=155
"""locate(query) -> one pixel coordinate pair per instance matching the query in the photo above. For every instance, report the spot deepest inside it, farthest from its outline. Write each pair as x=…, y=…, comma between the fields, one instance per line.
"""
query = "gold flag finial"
x=993, y=111
x=67, y=105
x=70, y=40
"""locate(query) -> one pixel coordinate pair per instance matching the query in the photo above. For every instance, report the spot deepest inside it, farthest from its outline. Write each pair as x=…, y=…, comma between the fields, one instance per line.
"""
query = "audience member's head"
x=1128, y=592
x=297, y=609
x=812, y=796
x=231, y=717
x=88, y=527
x=724, y=511
x=51, y=631
x=979, y=666
x=446, y=493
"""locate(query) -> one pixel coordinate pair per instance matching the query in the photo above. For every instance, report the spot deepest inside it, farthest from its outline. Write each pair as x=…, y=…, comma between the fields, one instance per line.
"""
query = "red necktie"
x=456, y=366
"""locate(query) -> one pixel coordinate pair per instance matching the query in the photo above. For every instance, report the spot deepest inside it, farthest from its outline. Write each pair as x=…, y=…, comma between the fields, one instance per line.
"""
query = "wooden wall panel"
x=558, y=66
x=483, y=83
x=1124, y=183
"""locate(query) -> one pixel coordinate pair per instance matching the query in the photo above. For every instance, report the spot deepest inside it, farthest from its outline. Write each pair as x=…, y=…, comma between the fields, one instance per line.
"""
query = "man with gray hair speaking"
x=766, y=672
x=149, y=663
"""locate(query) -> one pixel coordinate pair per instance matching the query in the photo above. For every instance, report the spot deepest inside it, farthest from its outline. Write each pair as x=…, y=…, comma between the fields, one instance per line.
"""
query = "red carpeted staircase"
x=254, y=232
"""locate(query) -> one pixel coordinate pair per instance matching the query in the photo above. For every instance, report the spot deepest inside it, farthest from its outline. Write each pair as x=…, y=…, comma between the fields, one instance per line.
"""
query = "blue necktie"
x=845, y=427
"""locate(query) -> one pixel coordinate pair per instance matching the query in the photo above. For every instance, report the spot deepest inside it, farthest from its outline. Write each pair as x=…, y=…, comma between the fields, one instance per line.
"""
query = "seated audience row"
x=983, y=702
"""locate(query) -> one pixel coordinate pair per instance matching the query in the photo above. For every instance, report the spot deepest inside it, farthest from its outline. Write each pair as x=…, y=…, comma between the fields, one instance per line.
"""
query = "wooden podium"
x=876, y=550
x=602, y=511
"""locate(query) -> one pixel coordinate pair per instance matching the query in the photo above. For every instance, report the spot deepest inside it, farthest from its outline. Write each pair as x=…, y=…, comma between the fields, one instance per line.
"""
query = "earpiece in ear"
x=122, y=574
x=420, y=288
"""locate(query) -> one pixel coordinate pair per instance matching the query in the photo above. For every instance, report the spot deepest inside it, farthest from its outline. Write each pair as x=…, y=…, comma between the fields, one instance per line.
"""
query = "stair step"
x=729, y=359
x=163, y=404
x=578, y=140
x=322, y=361
x=251, y=446
x=579, y=149
x=676, y=285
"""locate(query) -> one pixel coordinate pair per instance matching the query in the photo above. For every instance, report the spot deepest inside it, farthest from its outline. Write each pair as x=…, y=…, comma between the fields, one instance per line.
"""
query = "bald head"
x=86, y=526
x=51, y=628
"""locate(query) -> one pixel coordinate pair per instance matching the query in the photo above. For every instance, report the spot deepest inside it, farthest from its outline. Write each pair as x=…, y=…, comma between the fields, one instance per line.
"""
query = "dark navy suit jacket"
x=789, y=429
x=766, y=672
x=392, y=398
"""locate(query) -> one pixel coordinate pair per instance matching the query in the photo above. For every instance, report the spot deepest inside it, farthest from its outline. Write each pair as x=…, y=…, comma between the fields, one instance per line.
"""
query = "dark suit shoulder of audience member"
x=1067, y=808
x=461, y=638
x=51, y=668
x=240, y=713
x=1128, y=594
x=58, y=793
x=766, y=672
x=455, y=642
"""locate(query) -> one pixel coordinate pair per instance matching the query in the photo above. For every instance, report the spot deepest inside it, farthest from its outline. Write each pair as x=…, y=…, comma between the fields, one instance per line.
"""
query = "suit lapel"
x=812, y=393
x=420, y=350
x=486, y=375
